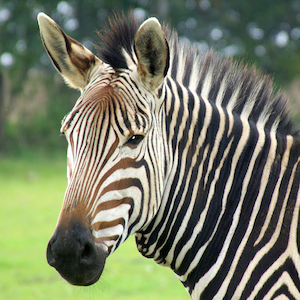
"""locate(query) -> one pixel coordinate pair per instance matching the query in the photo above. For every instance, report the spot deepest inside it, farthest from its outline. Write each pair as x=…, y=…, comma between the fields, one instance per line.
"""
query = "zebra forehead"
x=107, y=101
x=95, y=97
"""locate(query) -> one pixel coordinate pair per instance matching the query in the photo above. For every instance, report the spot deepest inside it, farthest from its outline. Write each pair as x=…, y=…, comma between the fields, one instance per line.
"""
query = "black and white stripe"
x=212, y=189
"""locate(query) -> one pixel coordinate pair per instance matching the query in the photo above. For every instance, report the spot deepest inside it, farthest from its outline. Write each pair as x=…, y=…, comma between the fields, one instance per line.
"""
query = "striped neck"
x=215, y=199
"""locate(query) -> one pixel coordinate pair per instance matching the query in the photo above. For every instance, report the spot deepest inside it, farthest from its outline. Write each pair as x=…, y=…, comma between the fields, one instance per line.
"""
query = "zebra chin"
x=73, y=253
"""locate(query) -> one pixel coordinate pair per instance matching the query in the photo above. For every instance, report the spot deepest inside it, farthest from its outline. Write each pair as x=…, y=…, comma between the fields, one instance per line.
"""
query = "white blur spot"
x=202, y=46
x=191, y=23
x=282, y=39
x=295, y=33
x=5, y=15
x=231, y=50
x=21, y=46
x=204, y=5
x=140, y=14
x=71, y=25
x=190, y=4
x=256, y=33
x=216, y=34
x=6, y=59
x=260, y=51
x=64, y=8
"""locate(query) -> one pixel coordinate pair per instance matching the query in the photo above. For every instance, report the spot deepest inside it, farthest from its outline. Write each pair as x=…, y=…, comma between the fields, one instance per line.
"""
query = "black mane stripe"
x=118, y=36
x=217, y=77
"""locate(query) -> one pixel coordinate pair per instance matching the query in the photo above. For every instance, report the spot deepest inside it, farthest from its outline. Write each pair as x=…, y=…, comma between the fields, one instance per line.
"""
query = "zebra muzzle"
x=72, y=252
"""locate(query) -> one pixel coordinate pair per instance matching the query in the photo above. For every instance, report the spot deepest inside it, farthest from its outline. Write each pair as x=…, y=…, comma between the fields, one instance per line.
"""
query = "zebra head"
x=112, y=131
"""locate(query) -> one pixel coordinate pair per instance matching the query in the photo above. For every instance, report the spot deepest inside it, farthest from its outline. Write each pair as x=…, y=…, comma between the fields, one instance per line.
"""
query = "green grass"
x=31, y=193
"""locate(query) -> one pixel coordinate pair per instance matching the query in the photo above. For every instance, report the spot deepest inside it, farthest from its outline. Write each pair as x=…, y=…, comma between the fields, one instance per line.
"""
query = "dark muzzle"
x=72, y=252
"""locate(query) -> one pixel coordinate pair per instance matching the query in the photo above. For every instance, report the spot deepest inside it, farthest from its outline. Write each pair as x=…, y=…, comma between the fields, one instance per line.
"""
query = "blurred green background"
x=34, y=99
x=32, y=188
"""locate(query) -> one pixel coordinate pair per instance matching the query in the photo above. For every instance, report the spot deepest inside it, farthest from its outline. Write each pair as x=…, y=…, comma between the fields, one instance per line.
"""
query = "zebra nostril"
x=87, y=254
x=50, y=257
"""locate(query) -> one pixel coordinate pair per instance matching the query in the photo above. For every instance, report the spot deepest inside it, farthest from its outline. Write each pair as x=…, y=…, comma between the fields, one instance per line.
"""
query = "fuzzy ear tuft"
x=76, y=63
x=152, y=51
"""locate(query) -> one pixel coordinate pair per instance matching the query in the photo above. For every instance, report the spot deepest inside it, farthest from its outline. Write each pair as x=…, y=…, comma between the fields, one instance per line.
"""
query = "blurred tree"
x=266, y=33
x=2, y=108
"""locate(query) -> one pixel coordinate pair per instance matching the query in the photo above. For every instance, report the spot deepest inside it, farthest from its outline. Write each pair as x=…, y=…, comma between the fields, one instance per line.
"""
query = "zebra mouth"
x=86, y=272
x=84, y=279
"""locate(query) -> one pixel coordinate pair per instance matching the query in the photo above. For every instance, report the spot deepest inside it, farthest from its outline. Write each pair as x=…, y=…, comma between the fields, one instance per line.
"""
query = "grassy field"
x=31, y=193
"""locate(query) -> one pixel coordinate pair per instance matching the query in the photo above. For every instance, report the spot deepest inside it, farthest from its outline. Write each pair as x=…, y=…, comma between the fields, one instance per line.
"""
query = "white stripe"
x=222, y=89
x=250, y=102
x=286, y=280
x=108, y=215
x=199, y=225
x=273, y=203
x=223, y=289
x=108, y=232
x=207, y=84
x=204, y=280
x=216, y=145
x=264, y=250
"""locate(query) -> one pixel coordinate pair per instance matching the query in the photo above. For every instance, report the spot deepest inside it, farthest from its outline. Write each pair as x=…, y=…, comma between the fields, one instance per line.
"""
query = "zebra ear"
x=152, y=51
x=76, y=63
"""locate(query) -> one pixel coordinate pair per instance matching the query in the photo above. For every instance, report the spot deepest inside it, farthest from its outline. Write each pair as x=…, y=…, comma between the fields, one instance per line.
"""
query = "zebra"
x=193, y=153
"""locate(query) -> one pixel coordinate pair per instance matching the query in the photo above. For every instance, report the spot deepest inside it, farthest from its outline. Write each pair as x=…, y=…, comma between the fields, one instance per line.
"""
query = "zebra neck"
x=216, y=200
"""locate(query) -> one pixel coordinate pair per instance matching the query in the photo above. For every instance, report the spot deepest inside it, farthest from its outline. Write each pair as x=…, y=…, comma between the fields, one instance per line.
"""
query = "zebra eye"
x=135, y=140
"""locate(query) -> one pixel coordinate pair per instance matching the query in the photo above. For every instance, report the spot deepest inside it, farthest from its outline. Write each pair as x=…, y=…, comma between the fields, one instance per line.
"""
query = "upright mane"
x=234, y=86
x=116, y=38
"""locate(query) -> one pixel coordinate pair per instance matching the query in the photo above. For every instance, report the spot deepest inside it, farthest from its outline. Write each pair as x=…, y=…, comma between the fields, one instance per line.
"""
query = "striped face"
x=112, y=134
x=115, y=152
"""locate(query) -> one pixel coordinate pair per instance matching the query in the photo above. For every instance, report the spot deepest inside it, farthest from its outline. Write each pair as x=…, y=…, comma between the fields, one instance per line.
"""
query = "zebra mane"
x=118, y=36
x=234, y=86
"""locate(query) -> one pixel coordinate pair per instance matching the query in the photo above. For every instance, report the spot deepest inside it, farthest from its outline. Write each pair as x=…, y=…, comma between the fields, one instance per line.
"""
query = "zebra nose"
x=72, y=252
